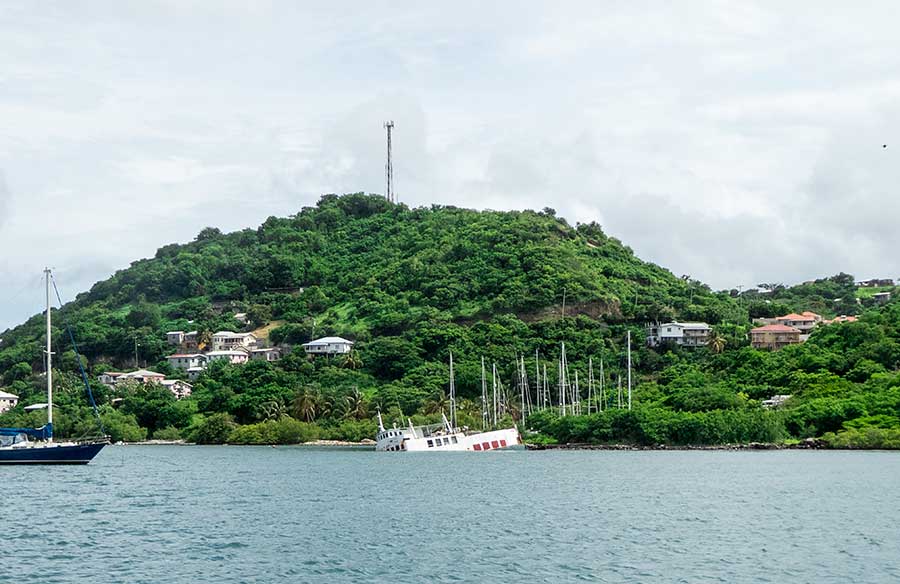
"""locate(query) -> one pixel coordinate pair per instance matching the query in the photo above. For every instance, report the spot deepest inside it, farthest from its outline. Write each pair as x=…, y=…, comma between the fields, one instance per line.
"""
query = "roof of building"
x=143, y=373
x=113, y=373
x=810, y=313
x=168, y=382
x=175, y=333
x=233, y=334
x=264, y=350
x=775, y=328
x=184, y=355
x=795, y=316
x=7, y=395
x=224, y=353
x=328, y=341
x=687, y=325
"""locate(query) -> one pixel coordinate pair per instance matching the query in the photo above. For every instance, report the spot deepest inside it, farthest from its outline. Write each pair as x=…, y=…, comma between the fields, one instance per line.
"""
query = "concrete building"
x=235, y=357
x=881, y=297
x=8, y=401
x=774, y=337
x=180, y=389
x=268, y=354
x=685, y=334
x=187, y=361
x=328, y=346
x=227, y=341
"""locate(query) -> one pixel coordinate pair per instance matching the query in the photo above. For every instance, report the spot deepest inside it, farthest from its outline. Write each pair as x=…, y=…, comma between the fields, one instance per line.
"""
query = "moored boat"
x=36, y=445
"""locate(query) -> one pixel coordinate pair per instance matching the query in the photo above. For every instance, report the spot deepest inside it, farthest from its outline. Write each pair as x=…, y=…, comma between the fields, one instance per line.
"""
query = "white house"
x=235, y=357
x=328, y=346
x=180, y=389
x=686, y=334
x=141, y=376
x=7, y=401
x=268, y=354
x=187, y=361
x=227, y=340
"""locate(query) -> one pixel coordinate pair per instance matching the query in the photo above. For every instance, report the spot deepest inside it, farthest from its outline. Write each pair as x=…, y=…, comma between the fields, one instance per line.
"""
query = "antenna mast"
x=389, y=165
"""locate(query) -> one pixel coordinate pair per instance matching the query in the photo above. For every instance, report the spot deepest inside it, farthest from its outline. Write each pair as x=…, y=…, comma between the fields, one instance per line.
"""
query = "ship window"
x=477, y=446
x=495, y=444
x=503, y=443
x=485, y=446
x=446, y=441
x=453, y=439
x=430, y=444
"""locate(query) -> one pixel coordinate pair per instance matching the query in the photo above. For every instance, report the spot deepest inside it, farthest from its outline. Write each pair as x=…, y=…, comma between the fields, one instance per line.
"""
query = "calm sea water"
x=186, y=514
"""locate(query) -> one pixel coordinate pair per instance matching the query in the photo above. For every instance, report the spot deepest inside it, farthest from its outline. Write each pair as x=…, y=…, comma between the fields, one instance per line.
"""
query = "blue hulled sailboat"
x=36, y=445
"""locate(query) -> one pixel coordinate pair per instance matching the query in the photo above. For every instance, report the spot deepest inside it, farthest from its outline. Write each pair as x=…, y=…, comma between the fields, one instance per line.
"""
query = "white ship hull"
x=410, y=440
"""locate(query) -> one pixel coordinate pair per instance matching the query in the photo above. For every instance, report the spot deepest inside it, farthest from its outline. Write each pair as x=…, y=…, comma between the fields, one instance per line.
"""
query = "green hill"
x=409, y=286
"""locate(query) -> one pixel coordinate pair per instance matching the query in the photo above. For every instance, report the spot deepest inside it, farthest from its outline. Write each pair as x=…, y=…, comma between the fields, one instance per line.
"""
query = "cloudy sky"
x=738, y=142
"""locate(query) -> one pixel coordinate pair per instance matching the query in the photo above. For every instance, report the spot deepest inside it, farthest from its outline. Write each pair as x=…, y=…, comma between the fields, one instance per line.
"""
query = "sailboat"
x=36, y=445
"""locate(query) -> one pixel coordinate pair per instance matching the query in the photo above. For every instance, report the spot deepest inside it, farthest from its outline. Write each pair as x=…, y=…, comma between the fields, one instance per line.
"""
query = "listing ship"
x=36, y=445
x=448, y=436
x=443, y=437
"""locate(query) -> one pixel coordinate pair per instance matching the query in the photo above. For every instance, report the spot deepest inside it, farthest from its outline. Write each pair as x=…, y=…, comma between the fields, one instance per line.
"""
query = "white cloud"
x=735, y=141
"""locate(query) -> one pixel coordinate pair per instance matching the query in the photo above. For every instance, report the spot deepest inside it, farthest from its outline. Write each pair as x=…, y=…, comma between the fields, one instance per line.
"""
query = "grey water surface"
x=187, y=514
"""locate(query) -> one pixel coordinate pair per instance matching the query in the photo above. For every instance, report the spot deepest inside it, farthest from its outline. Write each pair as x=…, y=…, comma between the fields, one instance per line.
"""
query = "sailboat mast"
x=452, y=396
x=601, y=385
x=484, y=413
x=590, y=395
x=49, y=359
x=629, y=370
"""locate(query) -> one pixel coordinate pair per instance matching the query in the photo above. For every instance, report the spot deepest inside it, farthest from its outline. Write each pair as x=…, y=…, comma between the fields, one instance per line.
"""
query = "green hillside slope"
x=411, y=285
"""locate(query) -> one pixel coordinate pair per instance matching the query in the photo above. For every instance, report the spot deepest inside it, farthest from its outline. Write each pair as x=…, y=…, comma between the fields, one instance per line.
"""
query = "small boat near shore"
x=36, y=445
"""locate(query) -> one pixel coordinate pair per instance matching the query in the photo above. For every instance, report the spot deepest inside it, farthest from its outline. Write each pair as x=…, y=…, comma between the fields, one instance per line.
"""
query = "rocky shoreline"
x=807, y=444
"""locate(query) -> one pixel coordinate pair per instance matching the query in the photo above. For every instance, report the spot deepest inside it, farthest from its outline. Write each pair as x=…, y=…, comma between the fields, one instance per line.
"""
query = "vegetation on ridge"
x=409, y=286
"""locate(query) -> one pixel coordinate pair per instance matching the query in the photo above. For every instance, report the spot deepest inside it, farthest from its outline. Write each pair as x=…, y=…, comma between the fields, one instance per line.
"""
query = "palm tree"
x=352, y=360
x=439, y=402
x=305, y=404
x=716, y=342
x=355, y=404
x=274, y=410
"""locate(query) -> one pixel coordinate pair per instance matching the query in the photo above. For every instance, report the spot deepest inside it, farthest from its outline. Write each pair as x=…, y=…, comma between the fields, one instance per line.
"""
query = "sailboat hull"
x=52, y=453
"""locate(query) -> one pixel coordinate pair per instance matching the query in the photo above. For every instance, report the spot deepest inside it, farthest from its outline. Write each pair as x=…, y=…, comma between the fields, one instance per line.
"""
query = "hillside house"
x=187, y=361
x=328, y=346
x=875, y=283
x=227, y=341
x=141, y=376
x=804, y=322
x=881, y=297
x=774, y=337
x=187, y=341
x=234, y=356
x=685, y=334
x=109, y=377
x=180, y=389
x=841, y=319
x=8, y=401
x=241, y=317
x=268, y=354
